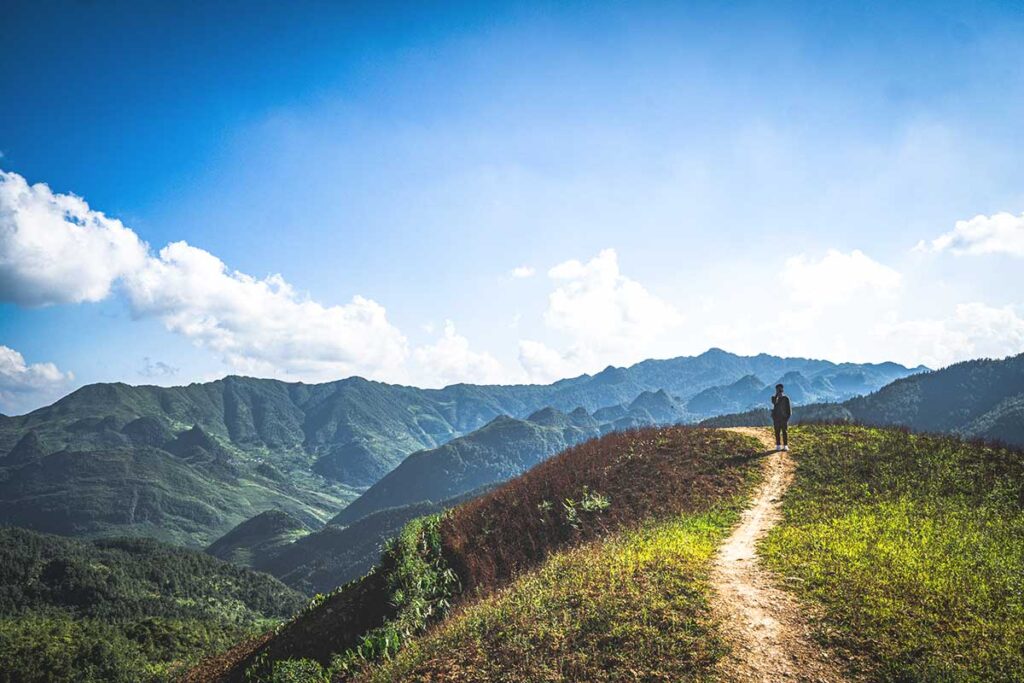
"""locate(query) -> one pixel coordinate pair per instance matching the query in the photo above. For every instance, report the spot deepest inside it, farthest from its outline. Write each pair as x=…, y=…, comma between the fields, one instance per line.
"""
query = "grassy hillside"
x=978, y=398
x=914, y=545
x=187, y=464
x=122, y=610
x=261, y=537
x=594, y=565
x=632, y=607
x=589, y=493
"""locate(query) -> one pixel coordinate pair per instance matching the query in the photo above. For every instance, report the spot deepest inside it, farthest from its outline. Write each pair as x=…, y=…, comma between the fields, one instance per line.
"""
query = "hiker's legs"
x=781, y=433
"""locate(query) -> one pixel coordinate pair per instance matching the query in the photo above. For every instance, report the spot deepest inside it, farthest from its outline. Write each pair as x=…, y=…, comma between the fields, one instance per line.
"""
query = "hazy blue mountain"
x=740, y=395
x=749, y=392
x=978, y=398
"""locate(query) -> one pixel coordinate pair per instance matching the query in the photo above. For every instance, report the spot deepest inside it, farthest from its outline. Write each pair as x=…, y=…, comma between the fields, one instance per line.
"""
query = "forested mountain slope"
x=498, y=451
x=122, y=609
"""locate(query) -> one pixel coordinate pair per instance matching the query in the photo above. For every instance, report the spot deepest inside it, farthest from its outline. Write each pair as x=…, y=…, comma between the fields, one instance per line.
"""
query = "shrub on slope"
x=915, y=545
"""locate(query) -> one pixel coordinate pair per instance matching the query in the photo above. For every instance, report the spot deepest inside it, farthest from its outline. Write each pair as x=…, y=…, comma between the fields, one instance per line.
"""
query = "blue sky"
x=502, y=192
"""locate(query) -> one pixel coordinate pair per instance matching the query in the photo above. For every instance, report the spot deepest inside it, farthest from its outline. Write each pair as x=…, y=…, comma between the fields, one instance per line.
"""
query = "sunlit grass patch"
x=915, y=545
x=630, y=608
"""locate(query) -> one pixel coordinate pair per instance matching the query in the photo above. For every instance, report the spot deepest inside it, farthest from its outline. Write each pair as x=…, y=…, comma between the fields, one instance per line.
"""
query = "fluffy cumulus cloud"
x=523, y=272
x=596, y=303
x=450, y=359
x=836, y=278
x=542, y=363
x=55, y=249
x=608, y=318
x=974, y=330
x=1001, y=233
x=263, y=326
x=24, y=384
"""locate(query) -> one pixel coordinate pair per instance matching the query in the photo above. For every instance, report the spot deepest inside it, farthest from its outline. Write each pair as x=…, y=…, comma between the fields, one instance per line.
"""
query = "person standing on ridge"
x=781, y=411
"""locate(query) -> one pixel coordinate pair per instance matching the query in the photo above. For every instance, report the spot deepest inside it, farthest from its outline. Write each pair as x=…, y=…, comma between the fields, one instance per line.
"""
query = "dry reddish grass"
x=646, y=474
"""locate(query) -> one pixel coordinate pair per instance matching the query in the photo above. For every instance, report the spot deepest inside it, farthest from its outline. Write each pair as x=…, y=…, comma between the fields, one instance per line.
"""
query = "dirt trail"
x=765, y=626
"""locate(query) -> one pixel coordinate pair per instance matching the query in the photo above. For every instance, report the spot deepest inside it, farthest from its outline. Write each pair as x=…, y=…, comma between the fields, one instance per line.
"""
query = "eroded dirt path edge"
x=765, y=626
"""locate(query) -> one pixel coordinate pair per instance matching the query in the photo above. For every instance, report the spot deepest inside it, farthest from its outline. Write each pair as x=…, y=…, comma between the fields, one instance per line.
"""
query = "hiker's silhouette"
x=781, y=412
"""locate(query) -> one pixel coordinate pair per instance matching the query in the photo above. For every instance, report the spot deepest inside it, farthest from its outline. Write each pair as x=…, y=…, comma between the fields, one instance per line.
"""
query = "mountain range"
x=983, y=398
x=977, y=399
x=187, y=464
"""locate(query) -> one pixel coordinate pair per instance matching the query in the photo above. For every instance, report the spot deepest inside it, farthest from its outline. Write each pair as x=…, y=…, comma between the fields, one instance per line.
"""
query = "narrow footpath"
x=765, y=626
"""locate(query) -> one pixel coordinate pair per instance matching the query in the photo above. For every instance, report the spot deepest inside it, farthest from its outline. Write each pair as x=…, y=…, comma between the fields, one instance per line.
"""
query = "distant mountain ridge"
x=186, y=464
x=979, y=398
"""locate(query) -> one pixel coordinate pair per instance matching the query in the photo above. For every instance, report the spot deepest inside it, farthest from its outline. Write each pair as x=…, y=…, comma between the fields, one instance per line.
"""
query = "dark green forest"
x=122, y=609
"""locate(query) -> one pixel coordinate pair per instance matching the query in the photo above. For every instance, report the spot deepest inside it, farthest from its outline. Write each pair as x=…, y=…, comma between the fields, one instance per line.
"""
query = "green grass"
x=633, y=607
x=915, y=547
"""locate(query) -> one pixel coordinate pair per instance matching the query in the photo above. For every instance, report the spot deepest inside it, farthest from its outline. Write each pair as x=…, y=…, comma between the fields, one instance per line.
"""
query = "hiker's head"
x=778, y=388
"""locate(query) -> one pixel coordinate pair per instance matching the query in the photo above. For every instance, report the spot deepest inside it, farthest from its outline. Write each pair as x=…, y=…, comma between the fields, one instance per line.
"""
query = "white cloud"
x=54, y=249
x=835, y=278
x=522, y=272
x=608, y=318
x=974, y=330
x=263, y=326
x=597, y=304
x=544, y=364
x=1001, y=233
x=450, y=360
x=24, y=384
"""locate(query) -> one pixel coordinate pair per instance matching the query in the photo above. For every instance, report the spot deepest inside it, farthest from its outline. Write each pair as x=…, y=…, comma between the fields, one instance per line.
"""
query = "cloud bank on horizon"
x=55, y=250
